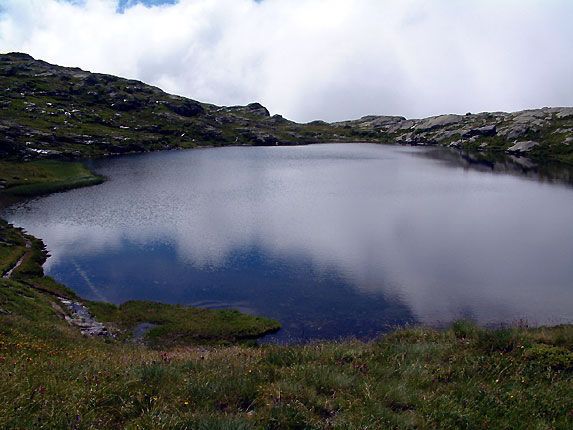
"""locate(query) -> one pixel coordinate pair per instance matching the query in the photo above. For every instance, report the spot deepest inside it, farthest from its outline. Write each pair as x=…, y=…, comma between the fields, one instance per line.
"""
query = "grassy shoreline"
x=463, y=377
x=192, y=374
x=27, y=179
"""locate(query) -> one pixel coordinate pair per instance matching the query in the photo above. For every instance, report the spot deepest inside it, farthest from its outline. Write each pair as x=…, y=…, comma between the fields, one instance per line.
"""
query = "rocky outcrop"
x=438, y=122
x=81, y=318
x=255, y=109
x=261, y=138
x=188, y=108
x=546, y=129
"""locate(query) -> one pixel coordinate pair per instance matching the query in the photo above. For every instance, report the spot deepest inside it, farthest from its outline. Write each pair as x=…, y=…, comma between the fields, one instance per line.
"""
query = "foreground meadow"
x=464, y=377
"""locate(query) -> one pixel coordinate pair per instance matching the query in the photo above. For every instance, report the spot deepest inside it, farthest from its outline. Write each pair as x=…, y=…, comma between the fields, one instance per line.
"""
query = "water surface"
x=331, y=240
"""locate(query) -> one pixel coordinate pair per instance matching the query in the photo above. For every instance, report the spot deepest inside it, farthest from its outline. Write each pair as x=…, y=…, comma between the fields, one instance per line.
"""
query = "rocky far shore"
x=459, y=130
x=52, y=111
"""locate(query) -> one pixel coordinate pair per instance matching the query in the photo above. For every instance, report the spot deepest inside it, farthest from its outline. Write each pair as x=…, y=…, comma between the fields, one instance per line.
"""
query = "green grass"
x=181, y=325
x=44, y=176
x=413, y=378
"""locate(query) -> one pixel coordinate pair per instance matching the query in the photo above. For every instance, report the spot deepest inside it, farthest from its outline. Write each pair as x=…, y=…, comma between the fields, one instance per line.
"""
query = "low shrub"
x=549, y=355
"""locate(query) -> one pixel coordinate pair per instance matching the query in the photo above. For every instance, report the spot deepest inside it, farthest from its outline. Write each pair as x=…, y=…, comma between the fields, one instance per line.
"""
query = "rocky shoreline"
x=514, y=129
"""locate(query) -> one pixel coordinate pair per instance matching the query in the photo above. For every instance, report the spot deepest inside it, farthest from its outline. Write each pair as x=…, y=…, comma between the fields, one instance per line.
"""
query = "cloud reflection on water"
x=444, y=242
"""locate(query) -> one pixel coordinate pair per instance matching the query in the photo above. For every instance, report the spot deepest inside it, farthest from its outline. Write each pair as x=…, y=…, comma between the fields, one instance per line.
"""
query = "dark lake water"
x=331, y=240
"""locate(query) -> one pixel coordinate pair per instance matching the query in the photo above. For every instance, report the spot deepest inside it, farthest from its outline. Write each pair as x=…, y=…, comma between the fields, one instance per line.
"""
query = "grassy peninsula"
x=43, y=176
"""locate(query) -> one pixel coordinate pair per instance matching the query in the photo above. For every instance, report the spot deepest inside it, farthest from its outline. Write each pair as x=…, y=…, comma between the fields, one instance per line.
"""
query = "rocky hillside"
x=542, y=133
x=48, y=110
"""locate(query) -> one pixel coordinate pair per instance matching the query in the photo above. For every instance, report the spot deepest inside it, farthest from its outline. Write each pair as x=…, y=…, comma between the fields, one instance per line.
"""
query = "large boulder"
x=189, y=108
x=564, y=112
x=522, y=147
x=258, y=109
x=488, y=130
x=514, y=131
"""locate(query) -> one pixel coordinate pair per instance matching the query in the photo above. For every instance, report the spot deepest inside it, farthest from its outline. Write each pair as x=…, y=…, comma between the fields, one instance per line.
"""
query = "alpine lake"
x=332, y=240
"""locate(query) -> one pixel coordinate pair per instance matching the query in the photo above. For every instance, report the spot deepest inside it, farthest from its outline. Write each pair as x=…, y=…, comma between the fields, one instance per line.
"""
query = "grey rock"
x=251, y=109
x=406, y=138
x=261, y=138
x=81, y=318
x=527, y=116
x=378, y=122
x=522, y=147
x=189, y=108
x=446, y=134
x=402, y=125
x=564, y=112
x=438, y=121
x=488, y=130
x=514, y=131
x=278, y=119
x=258, y=109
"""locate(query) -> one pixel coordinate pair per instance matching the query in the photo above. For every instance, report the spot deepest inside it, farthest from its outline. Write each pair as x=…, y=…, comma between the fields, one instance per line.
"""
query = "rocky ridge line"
x=52, y=111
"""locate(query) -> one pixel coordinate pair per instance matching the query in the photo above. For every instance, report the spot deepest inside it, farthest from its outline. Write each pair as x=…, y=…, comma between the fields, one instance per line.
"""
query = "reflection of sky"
x=443, y=241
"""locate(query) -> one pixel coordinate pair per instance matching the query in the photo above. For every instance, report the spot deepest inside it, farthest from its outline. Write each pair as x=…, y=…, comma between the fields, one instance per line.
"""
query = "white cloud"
x=308, y=59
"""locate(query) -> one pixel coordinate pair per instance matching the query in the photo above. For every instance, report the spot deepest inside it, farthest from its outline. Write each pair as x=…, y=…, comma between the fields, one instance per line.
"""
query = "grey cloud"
x=310, y=59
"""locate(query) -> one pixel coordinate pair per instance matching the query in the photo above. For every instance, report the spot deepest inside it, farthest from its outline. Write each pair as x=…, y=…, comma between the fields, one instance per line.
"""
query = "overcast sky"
x=315, y=59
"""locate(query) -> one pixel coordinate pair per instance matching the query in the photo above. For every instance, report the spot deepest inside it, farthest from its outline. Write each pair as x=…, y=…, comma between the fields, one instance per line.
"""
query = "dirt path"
x=8, y=274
